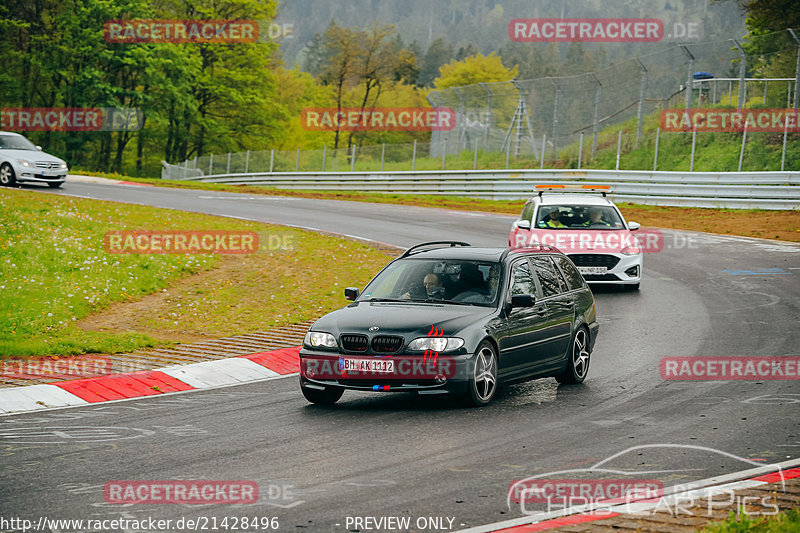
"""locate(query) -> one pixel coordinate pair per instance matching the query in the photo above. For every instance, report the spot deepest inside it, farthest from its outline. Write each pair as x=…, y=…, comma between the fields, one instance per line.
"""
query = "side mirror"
x=351, y=293
x=633, y=226
x=523, y=224
x=38, y=147
x=522, y=300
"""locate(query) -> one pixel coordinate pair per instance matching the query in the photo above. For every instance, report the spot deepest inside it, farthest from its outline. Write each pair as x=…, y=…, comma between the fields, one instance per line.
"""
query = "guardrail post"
x=383, y=152
x=444, y=153
x=297, y=161
x=211, y=164
x=619, y=147
x=475, y=159
x=271, y=160
x=580, y=152
x=247, y=162
x=414, y=157
x=655, y=158
x=324, y=153
x=228, y=167
x=353, y=159
x=544, y=139
x=694, y=139
x=744, y=140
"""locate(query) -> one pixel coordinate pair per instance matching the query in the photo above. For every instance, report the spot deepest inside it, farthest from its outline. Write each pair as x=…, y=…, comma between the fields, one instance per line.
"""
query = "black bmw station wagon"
x=448, y=318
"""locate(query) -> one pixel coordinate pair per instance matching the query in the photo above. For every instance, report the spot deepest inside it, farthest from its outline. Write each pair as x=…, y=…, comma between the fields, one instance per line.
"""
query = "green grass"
x=785, y=522
x=56, y=272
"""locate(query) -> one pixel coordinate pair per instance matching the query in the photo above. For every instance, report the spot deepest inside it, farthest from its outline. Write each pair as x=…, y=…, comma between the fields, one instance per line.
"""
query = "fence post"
x=324, y=153
x=195, y=156
x=508, y=153
x=785, y=133
x=475, y=159
x=414, y=157
x=596, y=116
x=555, y=112
x=383, y=152
x=444, y=153
x=744, y=140
x=655, y=158
x=640, y=111
x=796, y=70
x=297, y=161
x=580, y=152
x=211, y=164
x=228, y=168
x=742, y=69
x=766, y=85
x=271, y=160
x=544, y=145
x=247, y=162
x=353, y=159
x=689, y=77
x=694, y=139
x=619, y=147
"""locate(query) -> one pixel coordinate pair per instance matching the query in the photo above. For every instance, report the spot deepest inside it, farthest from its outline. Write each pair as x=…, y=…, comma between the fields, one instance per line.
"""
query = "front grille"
x=600, y=277
x=594, y=260
x=354, y=343
x=387, y=344
x=46, y=164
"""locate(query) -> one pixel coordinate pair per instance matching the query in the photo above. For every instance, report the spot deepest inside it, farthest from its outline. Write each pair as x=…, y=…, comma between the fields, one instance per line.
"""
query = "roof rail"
x=601, y=188
x=531, y=248
x=420, y=245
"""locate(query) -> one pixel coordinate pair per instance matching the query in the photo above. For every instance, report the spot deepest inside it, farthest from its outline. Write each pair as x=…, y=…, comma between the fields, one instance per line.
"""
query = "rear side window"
x=523, y=280
x=549, y=278
x=571, y=274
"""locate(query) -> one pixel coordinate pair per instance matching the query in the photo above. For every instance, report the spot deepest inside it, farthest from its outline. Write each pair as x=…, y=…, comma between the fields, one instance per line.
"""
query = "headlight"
x=631, y=250
x=62, y=165
x=436, y=344
x=317, y=339
x=24, y=163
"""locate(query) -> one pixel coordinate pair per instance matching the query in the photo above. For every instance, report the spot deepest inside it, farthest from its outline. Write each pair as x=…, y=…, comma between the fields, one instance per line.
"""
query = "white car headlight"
x=24, y=162
x=436, y=344
x=318, y=339
x=62, y=165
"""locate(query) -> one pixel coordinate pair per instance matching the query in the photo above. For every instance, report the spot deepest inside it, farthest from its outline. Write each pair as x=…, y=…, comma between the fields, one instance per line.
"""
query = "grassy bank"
x=63, y=293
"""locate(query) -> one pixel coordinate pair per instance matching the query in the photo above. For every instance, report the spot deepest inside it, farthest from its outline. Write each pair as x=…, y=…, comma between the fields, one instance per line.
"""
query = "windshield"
x=578, y=217
x=12, y=142
x=449, y=281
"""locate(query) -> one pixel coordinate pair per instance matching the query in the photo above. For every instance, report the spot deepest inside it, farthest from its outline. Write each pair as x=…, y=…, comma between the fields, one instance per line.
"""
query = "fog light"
x=310, y=373
x=439, y=379
x=633, y=271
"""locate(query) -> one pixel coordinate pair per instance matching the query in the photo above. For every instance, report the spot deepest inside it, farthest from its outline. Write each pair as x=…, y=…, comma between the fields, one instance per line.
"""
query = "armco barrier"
x=737, y=190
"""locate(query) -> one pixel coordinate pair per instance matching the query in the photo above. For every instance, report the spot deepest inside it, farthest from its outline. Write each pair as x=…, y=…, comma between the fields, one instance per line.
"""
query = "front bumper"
x=628, y=271
x=29, y=175
x=320, y=369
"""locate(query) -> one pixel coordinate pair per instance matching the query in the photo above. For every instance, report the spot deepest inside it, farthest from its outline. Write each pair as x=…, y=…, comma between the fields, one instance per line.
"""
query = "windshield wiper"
x=385, y=300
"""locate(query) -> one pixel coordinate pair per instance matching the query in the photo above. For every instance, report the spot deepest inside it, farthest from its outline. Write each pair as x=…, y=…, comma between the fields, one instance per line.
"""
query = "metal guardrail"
x=736, y=190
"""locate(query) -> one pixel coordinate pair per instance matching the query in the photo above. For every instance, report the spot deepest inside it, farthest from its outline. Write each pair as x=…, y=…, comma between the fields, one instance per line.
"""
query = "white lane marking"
x=726, y=482
x=233, y=370
x=36, y=397
x=265, y=197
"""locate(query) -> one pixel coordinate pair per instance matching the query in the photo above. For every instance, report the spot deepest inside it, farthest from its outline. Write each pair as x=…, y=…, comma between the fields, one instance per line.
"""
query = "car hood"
x=29, y=155
x=407, y=319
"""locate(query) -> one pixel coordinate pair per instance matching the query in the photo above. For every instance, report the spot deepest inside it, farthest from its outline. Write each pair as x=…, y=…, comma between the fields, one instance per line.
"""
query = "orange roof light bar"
x=602, y=188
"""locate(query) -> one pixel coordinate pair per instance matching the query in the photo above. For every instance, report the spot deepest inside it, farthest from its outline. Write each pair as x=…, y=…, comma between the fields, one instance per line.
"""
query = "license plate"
x=592, y=270
x=48, y=173
x=378, y=366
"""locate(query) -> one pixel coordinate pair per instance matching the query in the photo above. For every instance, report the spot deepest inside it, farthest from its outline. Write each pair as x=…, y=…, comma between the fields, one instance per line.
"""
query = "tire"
x=55, y=185
x=7, y=176
x=482, y=384
x=329, y=396
x=578, y=362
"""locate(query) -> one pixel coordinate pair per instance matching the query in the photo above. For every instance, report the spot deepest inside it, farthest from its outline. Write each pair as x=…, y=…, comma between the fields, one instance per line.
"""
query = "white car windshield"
x=12, y=142
x=583, y=217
